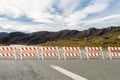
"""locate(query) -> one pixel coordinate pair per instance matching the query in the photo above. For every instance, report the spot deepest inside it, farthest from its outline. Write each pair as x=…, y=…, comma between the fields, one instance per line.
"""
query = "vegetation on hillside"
x=97, y=41
x=109, y=39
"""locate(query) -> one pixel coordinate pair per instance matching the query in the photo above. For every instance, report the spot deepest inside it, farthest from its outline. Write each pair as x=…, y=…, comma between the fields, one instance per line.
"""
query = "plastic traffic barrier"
x=7, y=51
x=49, y=52
x=28, y=51
x=113, y=52
x=71, y=52
x=94, y=52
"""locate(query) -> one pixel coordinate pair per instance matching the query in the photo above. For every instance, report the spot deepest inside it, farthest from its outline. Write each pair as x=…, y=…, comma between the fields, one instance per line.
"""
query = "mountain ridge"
x=44, y=36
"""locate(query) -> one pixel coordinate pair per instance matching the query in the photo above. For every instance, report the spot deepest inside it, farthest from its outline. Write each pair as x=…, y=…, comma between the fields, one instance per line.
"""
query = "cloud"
x=68, y=6
x=95, y=6
x=112, y=20
x=54, y=15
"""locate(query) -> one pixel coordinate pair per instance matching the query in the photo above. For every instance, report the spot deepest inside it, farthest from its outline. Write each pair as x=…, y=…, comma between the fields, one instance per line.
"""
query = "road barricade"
x=28, y=51
x=7, y=51
x=49, y=52
x=113, y=52
x=94, y=52
x=71, y=52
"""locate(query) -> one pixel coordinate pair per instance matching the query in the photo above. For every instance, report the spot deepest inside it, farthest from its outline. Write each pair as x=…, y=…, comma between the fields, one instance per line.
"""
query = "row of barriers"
x=42, y=52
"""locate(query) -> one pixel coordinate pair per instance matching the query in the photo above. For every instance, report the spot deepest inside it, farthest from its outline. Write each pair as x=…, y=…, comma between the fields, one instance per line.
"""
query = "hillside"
x=105, y=36
x=110, y=38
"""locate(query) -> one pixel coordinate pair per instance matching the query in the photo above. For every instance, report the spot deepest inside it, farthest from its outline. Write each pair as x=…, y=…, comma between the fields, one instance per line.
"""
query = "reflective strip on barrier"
x=6, y=54
x=28, y=54
x=113, y=48
x=49, y=48
x=28, y=48
x=71, y=48
x=70, y=54
x=7, y=48
x=93, y=54
x=114, y=54
x=48, y=54
x=93, y=48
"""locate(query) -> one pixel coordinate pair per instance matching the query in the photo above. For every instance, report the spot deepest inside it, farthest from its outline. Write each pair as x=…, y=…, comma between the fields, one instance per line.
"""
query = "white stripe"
x=46, y=54
x=71, y=48
x=97, y=54
x=67, y=54
x=49, y=54
x=78, y=48
x=97, y=48
x=112, y=48
x=118, y=54
x=89, y=48
x=68, y=73
x=119, y=48
x=112, y=54
x=89, y=54
x=70, y=54
x=93, y=54
x=32, y=54
x=67, y=48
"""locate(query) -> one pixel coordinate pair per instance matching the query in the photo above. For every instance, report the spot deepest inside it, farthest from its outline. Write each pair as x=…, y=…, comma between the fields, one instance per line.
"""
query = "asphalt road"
x=43, y=70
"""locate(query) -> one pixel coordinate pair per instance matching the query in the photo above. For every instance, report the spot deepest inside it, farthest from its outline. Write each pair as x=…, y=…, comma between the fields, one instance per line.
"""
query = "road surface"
x=71, y=69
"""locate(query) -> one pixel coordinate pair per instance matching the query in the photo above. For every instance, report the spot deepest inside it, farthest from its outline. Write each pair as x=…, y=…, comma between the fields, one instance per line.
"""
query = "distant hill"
x=45, y=36
x=3, y=33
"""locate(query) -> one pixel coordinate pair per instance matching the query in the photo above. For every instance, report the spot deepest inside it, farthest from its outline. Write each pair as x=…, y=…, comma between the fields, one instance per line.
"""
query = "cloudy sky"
x=55, y=15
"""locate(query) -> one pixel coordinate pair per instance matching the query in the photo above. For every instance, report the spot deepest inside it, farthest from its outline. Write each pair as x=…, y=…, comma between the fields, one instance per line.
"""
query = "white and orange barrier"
x=94, y=52
x=49, y=52
x=28, y=54
x=113, y=52
x=7, y=51
x=71, y=52
x=6, y=54
x=28, y=51
x=66, y=52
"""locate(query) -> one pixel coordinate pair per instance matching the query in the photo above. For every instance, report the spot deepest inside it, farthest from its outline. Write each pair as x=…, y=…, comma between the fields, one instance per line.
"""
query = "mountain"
x=44, y=36
x=3, y=33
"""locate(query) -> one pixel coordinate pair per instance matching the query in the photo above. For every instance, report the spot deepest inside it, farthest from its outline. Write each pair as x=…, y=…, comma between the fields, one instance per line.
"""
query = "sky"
x=54, y=15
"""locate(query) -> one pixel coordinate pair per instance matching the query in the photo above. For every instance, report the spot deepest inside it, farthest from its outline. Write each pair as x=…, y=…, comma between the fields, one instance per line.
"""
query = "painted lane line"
x=68, y=73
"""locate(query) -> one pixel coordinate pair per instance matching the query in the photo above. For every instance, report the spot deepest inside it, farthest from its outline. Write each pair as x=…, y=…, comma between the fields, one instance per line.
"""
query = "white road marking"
x=68, y=73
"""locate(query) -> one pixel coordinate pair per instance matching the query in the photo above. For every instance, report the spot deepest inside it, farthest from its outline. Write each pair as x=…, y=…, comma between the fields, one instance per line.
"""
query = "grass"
x=103, y=41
